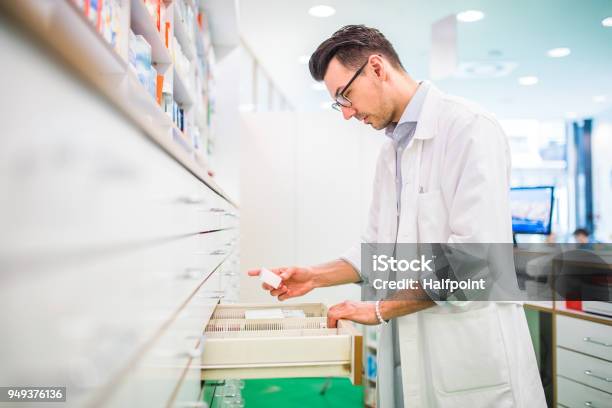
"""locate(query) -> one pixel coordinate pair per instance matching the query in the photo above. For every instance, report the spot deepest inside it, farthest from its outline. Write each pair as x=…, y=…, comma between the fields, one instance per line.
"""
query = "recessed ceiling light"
x=470, y=16
x=528, y=80
x=600, y=98
x=322, y=11
x=559, y=52
x=303, y=59
x=607, y=22
x=325, y=105
x=319, y=86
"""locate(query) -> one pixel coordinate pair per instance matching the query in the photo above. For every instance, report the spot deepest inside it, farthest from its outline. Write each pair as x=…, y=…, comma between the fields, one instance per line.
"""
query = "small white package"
x=264, y=314
x=269, y=277
x=294, y=313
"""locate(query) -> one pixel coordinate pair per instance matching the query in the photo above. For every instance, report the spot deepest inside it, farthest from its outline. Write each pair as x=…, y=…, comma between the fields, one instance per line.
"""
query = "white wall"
x=225, y=161
x=267, y=209
x=305, y=191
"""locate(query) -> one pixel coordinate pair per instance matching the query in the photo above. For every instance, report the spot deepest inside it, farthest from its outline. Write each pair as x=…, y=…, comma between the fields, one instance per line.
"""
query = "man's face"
x=581, y=238
x=366, y=93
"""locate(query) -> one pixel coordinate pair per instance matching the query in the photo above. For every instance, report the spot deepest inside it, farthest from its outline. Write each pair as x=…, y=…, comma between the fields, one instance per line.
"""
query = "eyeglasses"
x=341, y=100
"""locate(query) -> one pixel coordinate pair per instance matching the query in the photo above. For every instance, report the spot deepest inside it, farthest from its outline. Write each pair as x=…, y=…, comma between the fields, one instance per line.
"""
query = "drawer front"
x=203, y=254
x=97, y=313
x=219, y=213
x=591, y=371
x=169, y=372
x=189, y=390
x=574, y=395
x=584, y=336
x=86, y=189
x=158, y=375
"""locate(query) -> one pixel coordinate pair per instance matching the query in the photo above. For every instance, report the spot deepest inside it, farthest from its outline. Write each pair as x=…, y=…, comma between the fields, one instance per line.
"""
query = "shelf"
x=561, y=309
x=86, y=41
x=223, y=23
x=63, y=26
x=144, y=101
x=181, y=140
x=181, y=90
x=181, y=33
x=142, y=23
x=583, y=315
x=150, y=110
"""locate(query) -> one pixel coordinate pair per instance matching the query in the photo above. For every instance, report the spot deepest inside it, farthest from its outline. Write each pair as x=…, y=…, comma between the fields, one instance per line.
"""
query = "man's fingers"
x=254, y=272
x=280, y=291
x=265, y=286
x=331, y=322
x=335, y=313
x=285, y=295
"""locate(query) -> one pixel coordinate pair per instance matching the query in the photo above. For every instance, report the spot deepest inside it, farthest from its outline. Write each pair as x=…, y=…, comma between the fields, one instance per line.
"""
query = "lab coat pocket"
x=432, y=217
x=468, y=356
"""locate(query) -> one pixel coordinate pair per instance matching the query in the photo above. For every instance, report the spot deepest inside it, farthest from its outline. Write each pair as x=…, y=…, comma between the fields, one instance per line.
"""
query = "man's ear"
x=378, y=64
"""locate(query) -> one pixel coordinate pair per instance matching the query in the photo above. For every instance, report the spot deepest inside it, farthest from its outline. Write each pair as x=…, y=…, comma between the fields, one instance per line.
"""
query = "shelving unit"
x=142, y=23
x=136, y=244
x=142, y=100
x=65, y=27
x=181, y=33
x=558, y=310
x=181, y=90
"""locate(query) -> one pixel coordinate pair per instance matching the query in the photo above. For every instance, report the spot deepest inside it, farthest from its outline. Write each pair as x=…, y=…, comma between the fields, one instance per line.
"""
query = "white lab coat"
x=455, y=172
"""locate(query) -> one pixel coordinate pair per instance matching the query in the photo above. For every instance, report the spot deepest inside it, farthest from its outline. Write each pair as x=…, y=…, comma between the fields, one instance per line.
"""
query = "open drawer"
x=237, y=347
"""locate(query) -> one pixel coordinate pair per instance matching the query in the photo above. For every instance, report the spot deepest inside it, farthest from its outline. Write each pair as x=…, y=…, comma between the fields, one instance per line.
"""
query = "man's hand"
x=296, y=282
x=358, y=312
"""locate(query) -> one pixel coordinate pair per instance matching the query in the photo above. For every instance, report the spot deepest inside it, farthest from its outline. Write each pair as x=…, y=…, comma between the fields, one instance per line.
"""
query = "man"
x=582, y=236
x=443, y=177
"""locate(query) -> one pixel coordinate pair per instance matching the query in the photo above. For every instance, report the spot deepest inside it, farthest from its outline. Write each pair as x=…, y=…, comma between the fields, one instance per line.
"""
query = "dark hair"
x=351, y=44
x=581, y=231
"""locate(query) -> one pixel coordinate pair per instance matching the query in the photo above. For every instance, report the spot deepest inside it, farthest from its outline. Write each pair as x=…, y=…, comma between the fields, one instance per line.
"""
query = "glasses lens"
x=343, y=101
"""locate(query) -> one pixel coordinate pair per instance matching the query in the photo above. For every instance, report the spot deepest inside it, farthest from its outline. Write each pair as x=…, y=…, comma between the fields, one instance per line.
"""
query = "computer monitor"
x=531, y=209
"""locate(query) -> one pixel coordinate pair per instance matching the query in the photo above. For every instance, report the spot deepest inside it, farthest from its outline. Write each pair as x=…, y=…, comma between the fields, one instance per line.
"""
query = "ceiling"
x=518, y=31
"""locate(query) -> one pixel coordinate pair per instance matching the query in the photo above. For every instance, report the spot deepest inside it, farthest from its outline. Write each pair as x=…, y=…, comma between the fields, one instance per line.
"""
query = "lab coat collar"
x=427, y=126
x=412, y=111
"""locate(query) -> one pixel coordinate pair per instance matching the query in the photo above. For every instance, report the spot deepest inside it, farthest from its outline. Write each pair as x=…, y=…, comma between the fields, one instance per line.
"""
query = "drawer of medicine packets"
x=264, y=341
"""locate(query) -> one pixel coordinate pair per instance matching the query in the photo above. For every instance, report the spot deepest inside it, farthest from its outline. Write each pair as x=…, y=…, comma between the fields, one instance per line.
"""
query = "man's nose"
x=348, y=113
